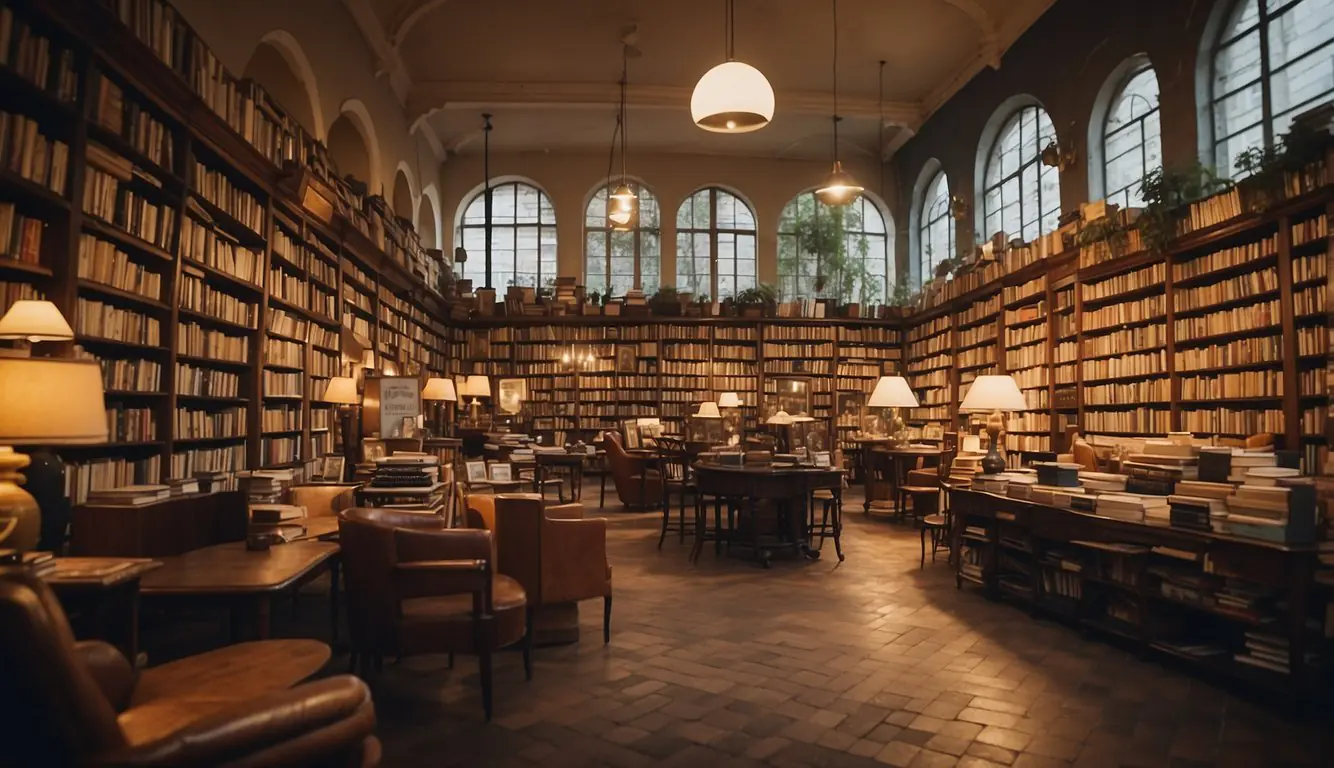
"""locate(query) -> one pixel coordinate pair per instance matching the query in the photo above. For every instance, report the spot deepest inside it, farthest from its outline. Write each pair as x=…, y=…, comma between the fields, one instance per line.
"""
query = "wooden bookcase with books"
x=865, y=353
x=978, y=339
x=1027, y=341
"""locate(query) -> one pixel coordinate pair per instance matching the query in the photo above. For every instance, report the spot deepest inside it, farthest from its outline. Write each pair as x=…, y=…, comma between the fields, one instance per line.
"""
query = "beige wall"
x=322, y=36
x=571, y=178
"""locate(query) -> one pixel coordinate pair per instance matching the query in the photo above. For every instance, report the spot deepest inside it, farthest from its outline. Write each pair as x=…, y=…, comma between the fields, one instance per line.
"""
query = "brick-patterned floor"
x=871, y=662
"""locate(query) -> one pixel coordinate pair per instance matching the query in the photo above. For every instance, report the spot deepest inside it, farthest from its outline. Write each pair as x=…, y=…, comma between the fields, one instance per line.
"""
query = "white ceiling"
x=547, y=69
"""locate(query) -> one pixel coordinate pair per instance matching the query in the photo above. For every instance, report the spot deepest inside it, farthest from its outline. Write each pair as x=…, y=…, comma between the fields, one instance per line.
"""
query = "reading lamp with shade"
x=33, y=321
x=998, y=394
x=731, y=404
x=893, y=392
x=48, y=402
x=439, y=390
x=342, y=392
x=476, y=386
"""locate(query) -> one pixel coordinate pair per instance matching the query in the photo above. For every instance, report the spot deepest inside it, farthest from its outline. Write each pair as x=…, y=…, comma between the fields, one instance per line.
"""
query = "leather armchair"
x=637, y=484
x=74, y=703
x=557, y=555
x=324, y=500
x=414, y=586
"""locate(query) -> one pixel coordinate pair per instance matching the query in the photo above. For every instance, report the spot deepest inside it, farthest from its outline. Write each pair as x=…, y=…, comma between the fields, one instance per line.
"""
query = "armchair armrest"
x=573, y=511
x=431, y=578
x=109, y=669
x=574, y=560
x=306, y=725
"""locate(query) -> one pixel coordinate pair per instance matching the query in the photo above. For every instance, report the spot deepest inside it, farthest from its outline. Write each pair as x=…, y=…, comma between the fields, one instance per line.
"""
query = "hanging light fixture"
x=839, y=187
x=622, y=203
x=733, y=97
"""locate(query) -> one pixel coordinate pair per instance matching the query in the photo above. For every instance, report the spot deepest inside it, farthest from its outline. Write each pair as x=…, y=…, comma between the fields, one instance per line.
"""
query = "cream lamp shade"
x=51, y=401
x=341, y=391
x=35, y=321
x=733, y=97
x=993, y=393
x=707, y=410
x=476, y=386
x=892, y=392
x=729, y=400
x=439, y=389
x=780, y=418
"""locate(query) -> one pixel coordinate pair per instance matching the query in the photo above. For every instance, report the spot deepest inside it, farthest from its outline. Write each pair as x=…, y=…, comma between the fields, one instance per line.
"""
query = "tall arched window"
x=1021, y=196
x=1271, y=62
x=839, y=252
x=1132, y=144
x=935, y=236
x=715, y=244
x=615, y=262
x=523, y=237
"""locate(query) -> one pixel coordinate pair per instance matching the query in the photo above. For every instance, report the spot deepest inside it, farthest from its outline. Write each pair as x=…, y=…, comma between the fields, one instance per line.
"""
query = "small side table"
x=101, y=595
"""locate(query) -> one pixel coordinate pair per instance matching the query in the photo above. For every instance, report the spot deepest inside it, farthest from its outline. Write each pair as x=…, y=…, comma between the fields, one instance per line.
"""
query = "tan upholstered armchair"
x=416, y=587
x=637, y=483
x=559, y=557
x=81, y=703
x=324, y=499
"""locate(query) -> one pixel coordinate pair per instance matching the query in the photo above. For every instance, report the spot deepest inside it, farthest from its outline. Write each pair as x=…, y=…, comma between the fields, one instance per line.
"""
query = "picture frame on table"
x=373, y=449
x=475, y=471
x=333, y=468
x=502, y=472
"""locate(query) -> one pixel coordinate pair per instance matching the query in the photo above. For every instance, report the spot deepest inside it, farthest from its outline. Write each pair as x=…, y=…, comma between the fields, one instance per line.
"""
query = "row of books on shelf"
x=101, y=261
x=1237, y=288
x=1154, y=274
x=20, y=235
x=35, y=58
x=203, y=243
x=1225, y=258
x=130, y=121
x=32, y=155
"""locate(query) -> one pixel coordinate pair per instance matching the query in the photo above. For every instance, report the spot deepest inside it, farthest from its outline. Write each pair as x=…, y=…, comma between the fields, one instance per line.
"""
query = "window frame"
x=460, y=235
x=887, y=279
x=1016, y=116
x=927, y=269
x=641, y=190
x=1139, y=123
x=714, y=231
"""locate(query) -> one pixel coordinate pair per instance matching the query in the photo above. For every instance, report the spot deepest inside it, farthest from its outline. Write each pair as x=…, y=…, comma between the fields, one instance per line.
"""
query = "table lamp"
x=476, y=386
x=342, y=391
x=33, y=321
x=439, y=390
x=893, y=392
x=731, y=404
x=48, y=402
x=996, y=394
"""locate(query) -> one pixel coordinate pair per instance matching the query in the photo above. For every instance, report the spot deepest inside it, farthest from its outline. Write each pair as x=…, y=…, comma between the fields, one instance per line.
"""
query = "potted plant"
x=698, y=306
x=760, y=301
x=666, y=302
x=1166, y=192
x=594, y=305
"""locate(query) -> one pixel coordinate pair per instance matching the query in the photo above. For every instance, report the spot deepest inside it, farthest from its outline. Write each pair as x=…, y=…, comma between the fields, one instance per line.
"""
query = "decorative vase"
x=16, y=504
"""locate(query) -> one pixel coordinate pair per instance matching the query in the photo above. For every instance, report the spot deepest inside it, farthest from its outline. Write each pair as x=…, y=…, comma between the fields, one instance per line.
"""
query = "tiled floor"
x=871, y=662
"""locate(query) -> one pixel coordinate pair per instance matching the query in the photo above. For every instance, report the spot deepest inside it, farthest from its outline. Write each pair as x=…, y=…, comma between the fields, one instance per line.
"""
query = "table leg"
x=577, y=481
x=335, y=571
x=263, y=614
x=132, y=631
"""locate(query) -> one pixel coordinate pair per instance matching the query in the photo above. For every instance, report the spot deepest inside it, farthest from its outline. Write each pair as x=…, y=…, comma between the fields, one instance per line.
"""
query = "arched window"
x=523, y=237
x=1132, y=144
x=839, y=252
x=615, y=262
x=715, y=244
x=1021, y=196
x=935, y=236
x=1271, y=62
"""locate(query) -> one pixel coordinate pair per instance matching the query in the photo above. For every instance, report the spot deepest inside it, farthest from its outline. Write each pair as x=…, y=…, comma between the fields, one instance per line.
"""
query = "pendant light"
x=733, y=97
x=622, y=203
x=839, y=187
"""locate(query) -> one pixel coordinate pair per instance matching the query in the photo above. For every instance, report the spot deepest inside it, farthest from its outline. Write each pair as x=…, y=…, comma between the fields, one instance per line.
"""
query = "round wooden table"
x=788, y=489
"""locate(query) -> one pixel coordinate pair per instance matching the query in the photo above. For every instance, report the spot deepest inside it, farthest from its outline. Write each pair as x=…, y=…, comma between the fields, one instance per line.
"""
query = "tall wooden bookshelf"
x=211, y=299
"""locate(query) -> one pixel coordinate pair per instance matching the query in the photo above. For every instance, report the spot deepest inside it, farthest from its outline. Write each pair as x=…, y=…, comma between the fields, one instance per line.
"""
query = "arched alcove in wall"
x=353, y=146
x=426, y=223
x=280, y=65
x=401, y=202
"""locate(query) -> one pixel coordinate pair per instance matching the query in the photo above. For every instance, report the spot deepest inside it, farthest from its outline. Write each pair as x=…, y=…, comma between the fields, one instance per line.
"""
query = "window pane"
x=521, y=254
x=1019, y=196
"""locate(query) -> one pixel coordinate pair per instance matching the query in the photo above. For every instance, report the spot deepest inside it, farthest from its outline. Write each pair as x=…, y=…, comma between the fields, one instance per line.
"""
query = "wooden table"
x=102, y=604
x=788, y=488
x=574, y=462
x=901, y=458
x=239, y=578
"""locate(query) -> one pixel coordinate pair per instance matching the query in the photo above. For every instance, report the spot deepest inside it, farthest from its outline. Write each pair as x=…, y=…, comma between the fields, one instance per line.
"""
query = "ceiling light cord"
x=625, y=83
x=880, y=145
x=729, y=29
x=836, y=117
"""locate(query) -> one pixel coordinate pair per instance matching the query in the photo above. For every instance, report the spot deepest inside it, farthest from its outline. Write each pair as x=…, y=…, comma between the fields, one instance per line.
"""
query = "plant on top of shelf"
x=824, y=234
x=667, y=301
x=753, y=302
x=1109, y=232
x=1263, y=171
x=902, y=295
x=1167, y=193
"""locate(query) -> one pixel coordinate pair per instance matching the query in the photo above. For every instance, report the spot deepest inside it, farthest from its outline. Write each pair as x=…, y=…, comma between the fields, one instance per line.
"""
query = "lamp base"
x=20, y=517
x=993, y=463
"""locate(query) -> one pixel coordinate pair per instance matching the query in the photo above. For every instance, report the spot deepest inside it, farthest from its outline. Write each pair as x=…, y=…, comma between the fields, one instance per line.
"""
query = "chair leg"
x=922, y=563
x=484, y=663
x=606, y=619
x=602, y=494
x=838, y=528
x=528, y=646
x=666, y=515
x=681, y=518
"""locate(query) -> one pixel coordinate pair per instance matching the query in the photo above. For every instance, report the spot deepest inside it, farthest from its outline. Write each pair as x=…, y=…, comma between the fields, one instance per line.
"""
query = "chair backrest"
x=519, y=518
x=57, y=714
x=323, y=500
x=366, y=538
x=674, y=459
x=1262, y=440
x=1085, y=456
x=403, y=445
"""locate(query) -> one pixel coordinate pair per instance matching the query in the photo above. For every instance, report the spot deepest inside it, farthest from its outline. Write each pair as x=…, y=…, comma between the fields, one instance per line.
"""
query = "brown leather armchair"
x=74, y=703
x=416, y=587
x=324, y=499
x=637, y=485
x=559, y=557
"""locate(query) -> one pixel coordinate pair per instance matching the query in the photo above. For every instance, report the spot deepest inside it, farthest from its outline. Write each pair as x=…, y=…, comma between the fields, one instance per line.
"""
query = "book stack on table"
x=129, y=495
x=1274, y=504
x=1133, y=507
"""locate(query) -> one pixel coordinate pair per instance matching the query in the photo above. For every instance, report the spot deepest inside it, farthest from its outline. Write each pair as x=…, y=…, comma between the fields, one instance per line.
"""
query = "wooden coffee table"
x=241, y=579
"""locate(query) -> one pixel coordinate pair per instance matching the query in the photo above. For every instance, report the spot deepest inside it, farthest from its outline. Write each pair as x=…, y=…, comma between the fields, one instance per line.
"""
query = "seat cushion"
x=934, y=521
x=444, y=624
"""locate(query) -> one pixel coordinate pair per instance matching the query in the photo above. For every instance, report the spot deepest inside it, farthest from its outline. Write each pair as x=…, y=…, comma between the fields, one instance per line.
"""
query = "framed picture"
x=502, y=472
x=372, y=449
x=476, y=471
x=630, y=430
x=793, y=395
x=850, y=408
x=333, y=469
x=512, y=394
x=627, y=356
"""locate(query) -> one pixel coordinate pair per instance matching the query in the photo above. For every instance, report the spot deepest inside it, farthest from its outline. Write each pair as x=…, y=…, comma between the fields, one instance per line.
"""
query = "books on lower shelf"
x=129, y=495
x=95, y=318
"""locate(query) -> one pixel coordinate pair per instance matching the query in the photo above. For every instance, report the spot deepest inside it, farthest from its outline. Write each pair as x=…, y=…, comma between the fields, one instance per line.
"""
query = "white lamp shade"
x=892, y=392
x=729, y=400
x=476, y=385
x=733, y=97
x=51, y=401
x=439, y=389
x=35, y=321
x=993, y=393
x=780, y=418
x=707, y=410
x=341, y=391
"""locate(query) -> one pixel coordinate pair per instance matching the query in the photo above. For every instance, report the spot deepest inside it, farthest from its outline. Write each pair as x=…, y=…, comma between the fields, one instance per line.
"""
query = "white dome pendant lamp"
x=839, y=187
x=733, y=97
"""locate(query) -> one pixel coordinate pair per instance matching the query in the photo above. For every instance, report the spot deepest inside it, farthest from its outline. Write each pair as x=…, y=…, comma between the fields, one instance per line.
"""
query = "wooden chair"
x=830, y=525
x=921, y=483
x=879, y=483
x=674, y=466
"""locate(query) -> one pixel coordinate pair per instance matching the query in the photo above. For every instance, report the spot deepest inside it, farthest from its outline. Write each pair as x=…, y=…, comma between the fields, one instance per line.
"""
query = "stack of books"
x=1021, y=486
x=184, y=486
x=1258, y=511
x=965, y=465
x=1195, y=512
x=1246, y=600
x=287, y=521
x=991, y=483
x=401, y=471
x=1265, y=650
x=1238, y=461
x=267, y=487
x=129, y=495
x=1102, y=482
x=1132, y=507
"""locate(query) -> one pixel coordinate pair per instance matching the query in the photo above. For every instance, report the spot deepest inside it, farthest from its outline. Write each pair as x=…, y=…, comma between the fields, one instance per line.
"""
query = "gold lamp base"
x=20, y=517
x=993, y=463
